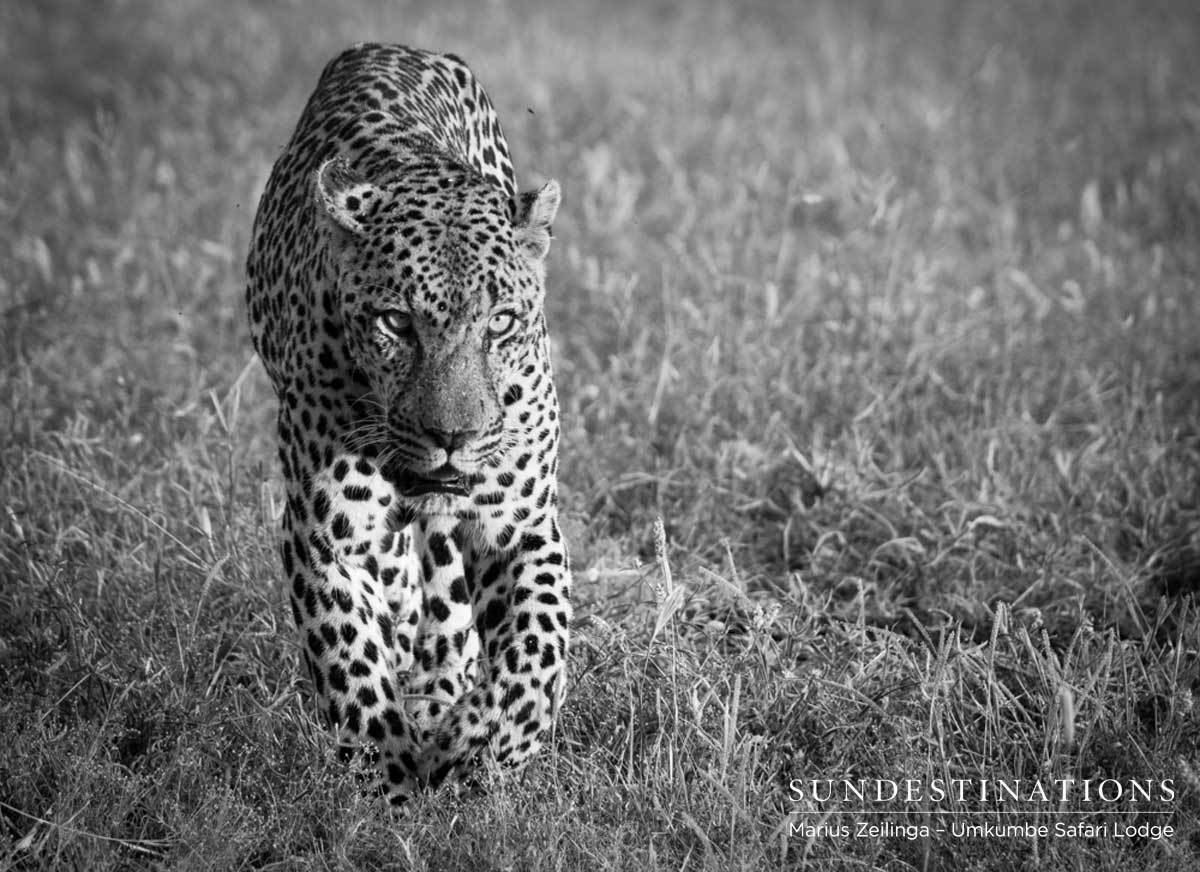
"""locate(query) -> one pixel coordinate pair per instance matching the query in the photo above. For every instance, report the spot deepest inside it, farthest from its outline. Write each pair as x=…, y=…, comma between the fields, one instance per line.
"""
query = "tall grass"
x=889, y=312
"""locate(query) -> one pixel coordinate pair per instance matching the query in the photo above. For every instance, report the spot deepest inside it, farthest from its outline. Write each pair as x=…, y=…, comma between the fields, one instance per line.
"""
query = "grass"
x=888, y=311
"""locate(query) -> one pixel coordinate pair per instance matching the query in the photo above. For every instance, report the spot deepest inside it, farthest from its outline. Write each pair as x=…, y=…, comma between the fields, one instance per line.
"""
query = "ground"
x=888, y=311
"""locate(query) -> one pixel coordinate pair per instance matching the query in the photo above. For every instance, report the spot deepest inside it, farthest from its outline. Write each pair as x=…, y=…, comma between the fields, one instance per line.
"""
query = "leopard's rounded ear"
x=535, y=215
x=343, y=197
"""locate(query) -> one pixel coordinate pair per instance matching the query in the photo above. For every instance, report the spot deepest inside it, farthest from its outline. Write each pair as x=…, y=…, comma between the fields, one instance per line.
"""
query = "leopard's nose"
x=450, y=440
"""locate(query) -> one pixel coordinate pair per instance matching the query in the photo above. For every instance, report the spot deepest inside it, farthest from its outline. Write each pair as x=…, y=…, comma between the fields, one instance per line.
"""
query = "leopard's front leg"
x=349, y=580
x=522, y=615
x=447, y=643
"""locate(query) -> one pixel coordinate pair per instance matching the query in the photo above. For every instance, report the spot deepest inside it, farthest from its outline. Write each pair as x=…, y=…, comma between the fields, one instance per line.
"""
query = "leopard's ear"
x=535, y=214
x=343, y=196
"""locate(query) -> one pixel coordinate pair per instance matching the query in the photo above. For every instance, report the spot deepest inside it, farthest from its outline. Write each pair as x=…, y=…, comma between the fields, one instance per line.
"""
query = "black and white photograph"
x=670, y=435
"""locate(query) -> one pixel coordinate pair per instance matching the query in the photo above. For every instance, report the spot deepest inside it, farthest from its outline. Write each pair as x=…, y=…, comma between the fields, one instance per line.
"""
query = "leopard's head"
x=440, y=281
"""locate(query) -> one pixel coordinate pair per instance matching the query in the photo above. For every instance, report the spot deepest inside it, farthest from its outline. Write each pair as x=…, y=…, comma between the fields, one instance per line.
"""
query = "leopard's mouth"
x=445, y=480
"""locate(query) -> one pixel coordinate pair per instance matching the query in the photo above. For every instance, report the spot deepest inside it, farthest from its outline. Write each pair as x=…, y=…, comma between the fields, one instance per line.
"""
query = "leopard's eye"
x=396, y=322
x=501, y=324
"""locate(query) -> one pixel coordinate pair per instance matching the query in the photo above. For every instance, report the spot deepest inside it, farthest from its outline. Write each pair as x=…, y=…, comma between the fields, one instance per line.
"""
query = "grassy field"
x=889, y=311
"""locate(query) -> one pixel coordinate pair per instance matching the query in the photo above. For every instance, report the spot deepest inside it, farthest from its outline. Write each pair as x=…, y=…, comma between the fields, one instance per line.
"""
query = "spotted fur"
x=395, y=290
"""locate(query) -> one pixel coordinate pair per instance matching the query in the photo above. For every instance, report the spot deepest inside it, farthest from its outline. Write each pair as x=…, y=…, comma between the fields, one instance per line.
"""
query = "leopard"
x=395, y=295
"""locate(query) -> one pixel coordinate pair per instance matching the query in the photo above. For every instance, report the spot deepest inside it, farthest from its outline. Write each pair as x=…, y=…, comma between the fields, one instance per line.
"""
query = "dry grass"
x=889, y=311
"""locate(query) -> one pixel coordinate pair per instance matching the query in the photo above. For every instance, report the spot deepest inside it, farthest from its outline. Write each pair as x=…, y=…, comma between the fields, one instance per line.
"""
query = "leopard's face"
x=440, y=292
